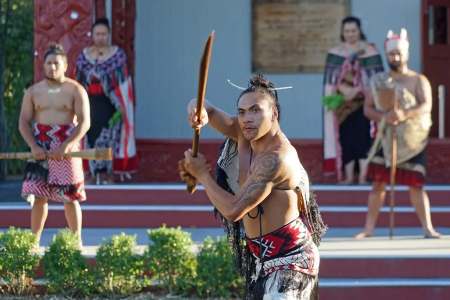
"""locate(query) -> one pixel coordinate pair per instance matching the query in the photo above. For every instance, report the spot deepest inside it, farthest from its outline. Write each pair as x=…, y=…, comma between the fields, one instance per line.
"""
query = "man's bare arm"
x=369, y=108
x=256, y=188
x=218, y=119
x=82, y=111
x=25, y=119
x=222, y=122
x=424, y=99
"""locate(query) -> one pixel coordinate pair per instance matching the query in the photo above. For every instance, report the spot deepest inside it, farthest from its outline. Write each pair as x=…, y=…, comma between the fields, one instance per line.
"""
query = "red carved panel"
x=100, y=9
x=64, y=21
x=123, y=17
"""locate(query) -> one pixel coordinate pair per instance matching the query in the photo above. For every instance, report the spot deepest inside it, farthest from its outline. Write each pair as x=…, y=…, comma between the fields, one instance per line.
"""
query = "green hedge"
x=216, y=258
x=18, y=260
x=170, y=259
x=65, y=267
x=119, y=270
x=169, y=264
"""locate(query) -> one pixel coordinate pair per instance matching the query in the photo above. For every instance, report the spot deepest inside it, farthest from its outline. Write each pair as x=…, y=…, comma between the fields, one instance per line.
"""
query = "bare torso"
x=54, y=104
x=281, y=206
x=411, y=81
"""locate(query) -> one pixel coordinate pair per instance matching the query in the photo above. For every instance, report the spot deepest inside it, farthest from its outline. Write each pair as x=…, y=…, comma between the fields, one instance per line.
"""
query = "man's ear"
x=274, y=113
x=66, y=65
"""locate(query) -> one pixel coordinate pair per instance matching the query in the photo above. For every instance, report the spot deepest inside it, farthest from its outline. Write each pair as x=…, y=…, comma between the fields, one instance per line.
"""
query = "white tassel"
x=390, y=34
x=272, y=89
x=403, y=34
x=235, y=85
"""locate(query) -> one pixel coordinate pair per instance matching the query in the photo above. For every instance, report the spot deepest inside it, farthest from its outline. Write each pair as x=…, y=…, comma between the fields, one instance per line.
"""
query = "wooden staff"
x=393, y=172
x=203, y=78
x=89, y=154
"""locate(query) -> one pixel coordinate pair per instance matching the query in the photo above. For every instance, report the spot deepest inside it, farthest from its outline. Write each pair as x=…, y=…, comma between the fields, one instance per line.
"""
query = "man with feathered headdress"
x=401, y=101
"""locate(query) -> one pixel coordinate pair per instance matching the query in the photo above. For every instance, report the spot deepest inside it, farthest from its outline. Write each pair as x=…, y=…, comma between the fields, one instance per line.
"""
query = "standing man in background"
x=54, y=118
x=412, y=121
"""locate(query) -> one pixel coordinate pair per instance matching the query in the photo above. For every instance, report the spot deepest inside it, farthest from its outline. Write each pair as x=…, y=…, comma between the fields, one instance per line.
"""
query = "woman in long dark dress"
x=349, y=67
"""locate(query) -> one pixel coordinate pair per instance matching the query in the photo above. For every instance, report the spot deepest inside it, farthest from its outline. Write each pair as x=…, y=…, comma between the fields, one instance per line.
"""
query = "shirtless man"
x=53, y=119
x=412, y=121
x=274, y=188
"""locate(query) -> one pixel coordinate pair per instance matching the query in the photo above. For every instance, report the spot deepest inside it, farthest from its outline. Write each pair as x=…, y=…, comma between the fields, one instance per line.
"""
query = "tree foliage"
x=16, y=73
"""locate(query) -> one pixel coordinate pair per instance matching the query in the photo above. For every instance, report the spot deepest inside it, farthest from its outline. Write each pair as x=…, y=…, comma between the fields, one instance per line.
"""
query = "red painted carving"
x=100, y=9
x=123, y=28
x=64, y=21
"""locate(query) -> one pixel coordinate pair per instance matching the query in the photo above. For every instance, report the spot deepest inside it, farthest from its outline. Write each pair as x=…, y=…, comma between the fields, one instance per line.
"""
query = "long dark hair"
x=357, y=21
x=101, y=21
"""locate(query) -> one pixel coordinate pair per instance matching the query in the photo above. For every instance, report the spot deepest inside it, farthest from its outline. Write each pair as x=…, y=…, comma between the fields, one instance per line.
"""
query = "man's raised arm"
x=217, y=118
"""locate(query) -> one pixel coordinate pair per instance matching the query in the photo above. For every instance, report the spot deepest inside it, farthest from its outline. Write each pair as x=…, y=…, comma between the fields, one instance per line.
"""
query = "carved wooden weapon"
x=393, y=172
x=90, y=154
x=203, y=78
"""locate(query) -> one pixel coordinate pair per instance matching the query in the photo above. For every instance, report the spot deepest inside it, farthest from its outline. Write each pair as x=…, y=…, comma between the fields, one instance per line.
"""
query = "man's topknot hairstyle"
x=55, y=49
x=258, y=83
x=101, y=21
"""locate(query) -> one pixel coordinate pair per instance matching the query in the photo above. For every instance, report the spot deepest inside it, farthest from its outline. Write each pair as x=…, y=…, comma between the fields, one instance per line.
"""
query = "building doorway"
x=436, y=60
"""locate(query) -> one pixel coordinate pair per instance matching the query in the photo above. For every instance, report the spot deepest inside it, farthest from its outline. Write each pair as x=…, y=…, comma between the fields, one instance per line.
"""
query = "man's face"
x=55, y=66
x=351, y=33
x=100, y=35
x=396, y=59
x=256, y=114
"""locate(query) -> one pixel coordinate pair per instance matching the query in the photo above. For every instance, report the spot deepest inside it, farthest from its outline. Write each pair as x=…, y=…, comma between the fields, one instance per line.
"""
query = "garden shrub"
x=65, y=267
x=217, y=275
x=18, y=260
x=119, y=270
x=171, y=260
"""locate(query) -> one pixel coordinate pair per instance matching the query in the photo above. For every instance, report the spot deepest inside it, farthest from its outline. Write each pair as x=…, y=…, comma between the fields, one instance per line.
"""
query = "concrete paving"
x=338, y=243
x=408, y=246
x=95, y=236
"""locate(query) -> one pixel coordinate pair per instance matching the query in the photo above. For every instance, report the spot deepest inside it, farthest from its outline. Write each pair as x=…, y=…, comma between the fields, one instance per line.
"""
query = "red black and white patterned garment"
x=288, y=248
x=55, y=180
x=111, y=99
x=288, y=266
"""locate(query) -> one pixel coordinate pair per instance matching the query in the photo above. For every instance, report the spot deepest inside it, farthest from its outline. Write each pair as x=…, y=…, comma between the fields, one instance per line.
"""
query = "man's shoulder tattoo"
x=267, y=166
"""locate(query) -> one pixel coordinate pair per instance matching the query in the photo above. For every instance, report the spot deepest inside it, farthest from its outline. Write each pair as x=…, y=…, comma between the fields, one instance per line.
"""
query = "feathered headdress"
x=397, y=41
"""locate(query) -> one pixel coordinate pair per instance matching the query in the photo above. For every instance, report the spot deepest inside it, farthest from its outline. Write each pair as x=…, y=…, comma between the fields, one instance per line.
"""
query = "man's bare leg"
x=376, y=199
x=39, y=213
x=349, y=169
x=421, y=203
x=72, y=211
x=363, y=165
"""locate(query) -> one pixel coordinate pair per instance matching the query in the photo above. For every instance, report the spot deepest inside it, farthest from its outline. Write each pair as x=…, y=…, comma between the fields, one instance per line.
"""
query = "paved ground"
x=407, y=246
x=337, y=243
